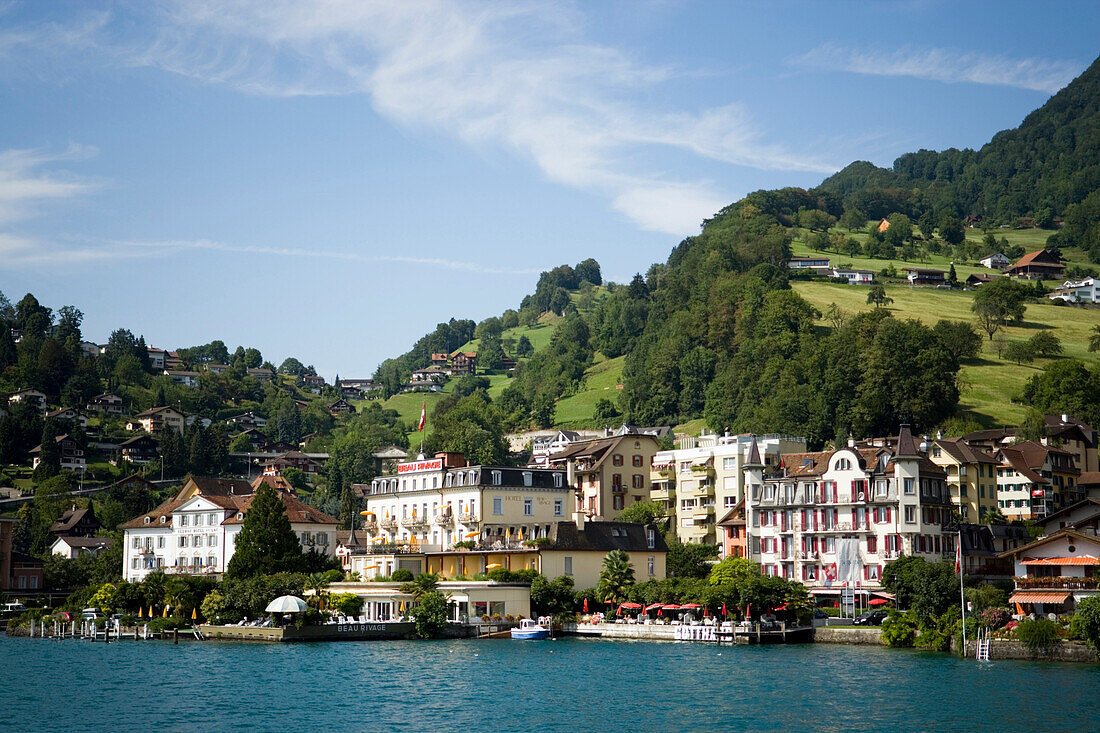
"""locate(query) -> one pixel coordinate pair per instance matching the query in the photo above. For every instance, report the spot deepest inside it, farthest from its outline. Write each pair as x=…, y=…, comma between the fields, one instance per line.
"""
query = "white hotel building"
x=195, y=531
x=436, y=502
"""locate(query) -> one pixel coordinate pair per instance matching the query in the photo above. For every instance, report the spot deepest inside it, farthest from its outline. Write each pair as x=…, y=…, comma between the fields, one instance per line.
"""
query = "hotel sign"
x=435, y=464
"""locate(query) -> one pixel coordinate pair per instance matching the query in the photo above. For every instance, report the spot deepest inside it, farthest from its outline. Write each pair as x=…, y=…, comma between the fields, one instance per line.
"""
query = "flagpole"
x=962, y=592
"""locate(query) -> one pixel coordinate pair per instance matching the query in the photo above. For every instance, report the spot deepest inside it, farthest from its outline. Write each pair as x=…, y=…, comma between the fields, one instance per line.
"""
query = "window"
x=568, y=565
x=618, y=501
x=909, y=515
x=498, y=505
x=558, y=480
x=181, y=542
x=651, y=540
x=638, y=481
x=160, y=542
x=212, y=540
x=616, y=480
x=183, y=520
x=651, y=565
x=908, y=486
x=559, y=509
x=322, y=538
x=843, y=464
x=729, y=502
x=137, y=542
x=495, y=478
x=616, y=460
x=528, y=478
x=528, y=507
x=729, y=463
x=211, y=560
x=636, y=461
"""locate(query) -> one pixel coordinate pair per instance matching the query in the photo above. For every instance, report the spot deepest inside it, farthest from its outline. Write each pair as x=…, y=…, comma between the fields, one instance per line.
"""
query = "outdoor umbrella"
x=690, y=606
x=194, y=614
x=586, y=605
x=286, y=604
x=781, y=608
x=724, y=611
x=877, y=602
x=631, y=606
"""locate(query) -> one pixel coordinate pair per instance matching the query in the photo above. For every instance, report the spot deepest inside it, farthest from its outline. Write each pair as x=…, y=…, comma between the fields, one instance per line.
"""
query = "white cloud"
x=24, y=182
x=515, y=75
x=939, y=64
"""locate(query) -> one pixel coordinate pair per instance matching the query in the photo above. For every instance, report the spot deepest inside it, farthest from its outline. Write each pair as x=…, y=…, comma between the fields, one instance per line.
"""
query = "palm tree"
x=421, y=585
x=1094, y=339
x=616, y=578
x=317, y=582
x=993, y=515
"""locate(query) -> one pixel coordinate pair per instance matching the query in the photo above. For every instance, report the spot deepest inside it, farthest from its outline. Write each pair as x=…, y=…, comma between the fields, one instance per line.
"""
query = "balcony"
x=468, y=518
x=415, y=523
x=446, y=519
x=389, y=524
x=1064, y=583
x=662, y=493
x=702, y=512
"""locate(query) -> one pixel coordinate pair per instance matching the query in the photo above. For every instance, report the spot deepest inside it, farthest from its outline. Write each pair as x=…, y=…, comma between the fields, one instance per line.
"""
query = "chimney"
x=851, y=442
x=578, y=519
x=1065, y=419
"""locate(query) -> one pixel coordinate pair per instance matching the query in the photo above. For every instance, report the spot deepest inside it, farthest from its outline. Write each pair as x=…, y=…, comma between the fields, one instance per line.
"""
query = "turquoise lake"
x=564, y=685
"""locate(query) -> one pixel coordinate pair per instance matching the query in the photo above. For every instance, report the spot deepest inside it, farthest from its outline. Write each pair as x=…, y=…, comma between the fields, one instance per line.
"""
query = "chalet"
x=854, y=276
x=305, y=439
x=73, y=547
x=156, y=358
x=925, y=276
x=973, y=220
x=464, y=362
x=431, y=374
x=202, y=420
x=157, y=418
x=352, y=393
x=507, y=363
x=1040, y=265
x=172, y=360
x=341, y=405
x=76, y=522
x=184, y=377
x=262, y=374
x=217, y=368
x=883, y=225
x=91, y=349
x=72, y=453
x=292, y=459
x=277, y=447
x=1077, y=291
x=1084, y=516
x=247, y=421
x=140, y=449
x=1035, y=480
x=256, y=439
x=983, y=546
x=31, y=396
x=819, y=264
x=440, y=360
x=67, y=413
x=995, y=261
x=312, y=382
x=978, y=279
x=1055, y=572
x=107, y=402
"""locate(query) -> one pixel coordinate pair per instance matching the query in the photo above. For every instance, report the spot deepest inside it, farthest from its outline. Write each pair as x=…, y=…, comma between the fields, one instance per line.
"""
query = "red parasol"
x=724, y=611
x=630, y=605
x=877, y=602
x=671, y=607
x=689, y=606
x=586, y=605
x=781, y=608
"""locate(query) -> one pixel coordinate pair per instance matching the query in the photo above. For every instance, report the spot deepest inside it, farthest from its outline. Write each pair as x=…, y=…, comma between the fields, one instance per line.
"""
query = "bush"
x=1040, y=636
x=401, y=575
x=1085, y=624
x=995, y=618
x=465, y=545
x=899, y=630
x=430, y=615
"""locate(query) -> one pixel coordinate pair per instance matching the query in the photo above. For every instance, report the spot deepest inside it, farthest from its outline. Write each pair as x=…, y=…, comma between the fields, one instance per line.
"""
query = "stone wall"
x=1067, y=651
x=871, y=635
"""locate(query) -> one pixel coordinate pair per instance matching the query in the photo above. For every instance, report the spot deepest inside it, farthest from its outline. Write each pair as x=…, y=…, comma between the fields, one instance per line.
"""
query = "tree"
x=1086, y=622
x=589, y=271
x=421, y=585
x=1094, y=338
x=988, y=317
x=999, y=303
x=552, y=597
x=266, y=543
x=643, y=512
x=689, y=559
x=815, y=219
x=430, y=615
x=835, y=316
x=993, y=515
x=952, y=230
x=1020, y=352
x=853, y=219
x=877, y=295
x=959, y=338
x=1033, y=427
x=616, y=577
x=928, y=589
x=1045, y=345
x=523, y=347
x=605, y=411
x=292, y=367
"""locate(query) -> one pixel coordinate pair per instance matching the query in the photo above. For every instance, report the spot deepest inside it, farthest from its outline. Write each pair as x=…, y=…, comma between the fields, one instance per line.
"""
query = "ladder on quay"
x=982, y=654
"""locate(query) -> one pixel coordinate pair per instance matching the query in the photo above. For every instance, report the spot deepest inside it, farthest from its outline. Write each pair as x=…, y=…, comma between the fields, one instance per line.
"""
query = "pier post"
x=175, y=636
x=32, y=628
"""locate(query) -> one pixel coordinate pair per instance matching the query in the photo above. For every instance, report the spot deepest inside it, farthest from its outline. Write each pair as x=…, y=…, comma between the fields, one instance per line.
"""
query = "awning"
x=1039, y=596
x=1080, y=560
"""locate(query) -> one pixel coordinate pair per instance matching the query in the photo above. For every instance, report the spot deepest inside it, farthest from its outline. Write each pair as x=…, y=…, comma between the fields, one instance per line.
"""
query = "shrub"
x=995, y=618
x=430, y=615
x=1086, y=622
x=899, y=630
x=401, y=575
x=1039, y=636
x=465, y=545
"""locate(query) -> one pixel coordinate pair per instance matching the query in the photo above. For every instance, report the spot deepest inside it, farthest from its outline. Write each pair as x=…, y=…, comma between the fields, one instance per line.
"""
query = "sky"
x=329, y=180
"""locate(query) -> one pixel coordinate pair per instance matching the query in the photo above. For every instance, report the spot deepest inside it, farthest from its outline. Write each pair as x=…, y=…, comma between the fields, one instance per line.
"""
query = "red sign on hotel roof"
x=435, y=464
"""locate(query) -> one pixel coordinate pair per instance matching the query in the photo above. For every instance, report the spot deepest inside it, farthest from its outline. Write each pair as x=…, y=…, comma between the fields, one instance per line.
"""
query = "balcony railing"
x=390, y=525
x=468, y=518
x=444, y=520
x=1067, y=583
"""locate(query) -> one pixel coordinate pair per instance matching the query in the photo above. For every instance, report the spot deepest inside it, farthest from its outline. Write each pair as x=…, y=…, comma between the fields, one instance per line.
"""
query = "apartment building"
x=971, y=476
x=703, y=479
x=1035, y=480
x=609, y=474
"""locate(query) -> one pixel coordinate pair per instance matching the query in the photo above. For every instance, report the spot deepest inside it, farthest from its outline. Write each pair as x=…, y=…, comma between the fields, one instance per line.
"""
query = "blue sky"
x=329, y=180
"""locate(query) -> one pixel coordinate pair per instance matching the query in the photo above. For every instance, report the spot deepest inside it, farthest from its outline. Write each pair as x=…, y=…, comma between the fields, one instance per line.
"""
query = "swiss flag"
x=423, y=416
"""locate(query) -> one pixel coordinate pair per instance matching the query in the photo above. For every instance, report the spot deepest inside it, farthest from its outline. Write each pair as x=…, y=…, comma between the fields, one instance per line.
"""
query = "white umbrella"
x=286, y=604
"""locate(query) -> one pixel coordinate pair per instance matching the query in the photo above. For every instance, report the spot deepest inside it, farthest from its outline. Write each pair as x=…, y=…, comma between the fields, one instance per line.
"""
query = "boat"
x=529, y=629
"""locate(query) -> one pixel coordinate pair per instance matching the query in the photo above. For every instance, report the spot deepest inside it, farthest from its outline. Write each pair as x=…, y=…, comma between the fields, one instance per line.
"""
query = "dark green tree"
x=523, y=347
x=266, y=543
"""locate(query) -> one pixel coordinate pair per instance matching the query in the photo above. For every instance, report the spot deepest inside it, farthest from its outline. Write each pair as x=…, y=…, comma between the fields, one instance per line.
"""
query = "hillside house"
x=440, y=360
x=978, y=279
x=312, y=382
x=925, y=276
x=76, y=522
x=140, y=449
x=1077, y=291
x=217, y=368
x=73, y=547
x=70, y=415
x=464, y=362
x=817, y=264
x=31, y=396
x=72, y=454
x=157, y=418
x=883, y=225
x=1041, y=265
x=182, y=376
x=156, y=358
x=341, y=406
x=854, y=276
x=107, y=402
x=247, y=421
x=292, y=459
x=1035, y=480
x=260, y=373
x=995, y=261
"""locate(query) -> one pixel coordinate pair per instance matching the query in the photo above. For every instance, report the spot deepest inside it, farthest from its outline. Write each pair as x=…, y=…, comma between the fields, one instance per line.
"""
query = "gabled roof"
x=604, y=536
x=296, y=511
x=136, y=440
x=730, y=518
x=71, y=518
x=86, y=541
x=208, y=486
x=1070, y=509
x=963, y=453
x=597, y=449
x=1041, y=257
x=155, y=410
x=1089, y=478
x=1026, y=550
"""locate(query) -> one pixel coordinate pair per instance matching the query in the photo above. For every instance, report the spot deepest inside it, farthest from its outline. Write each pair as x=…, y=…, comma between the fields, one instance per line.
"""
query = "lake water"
x=497, y=686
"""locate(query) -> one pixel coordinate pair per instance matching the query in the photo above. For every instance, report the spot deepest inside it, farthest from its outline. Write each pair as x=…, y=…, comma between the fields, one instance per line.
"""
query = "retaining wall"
x=871, y=635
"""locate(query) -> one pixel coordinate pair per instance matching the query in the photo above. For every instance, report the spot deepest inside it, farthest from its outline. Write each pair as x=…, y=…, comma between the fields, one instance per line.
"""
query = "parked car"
x=63, y=616
x=10, y=608
x=871, y=618
x=90, y=614
x=820, y=614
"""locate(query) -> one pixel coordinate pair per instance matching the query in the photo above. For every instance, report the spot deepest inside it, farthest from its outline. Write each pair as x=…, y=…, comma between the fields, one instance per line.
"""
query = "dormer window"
x=164, y=519
x=307, y=517
x=495, y=475
x=528, y=478
x=558, y=479
x=472, y=478
x=240, y=516
x=148, y=520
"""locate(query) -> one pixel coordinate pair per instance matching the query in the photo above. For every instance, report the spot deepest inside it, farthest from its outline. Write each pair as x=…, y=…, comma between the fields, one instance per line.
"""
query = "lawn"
x=989, y=385
x=600, y=382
